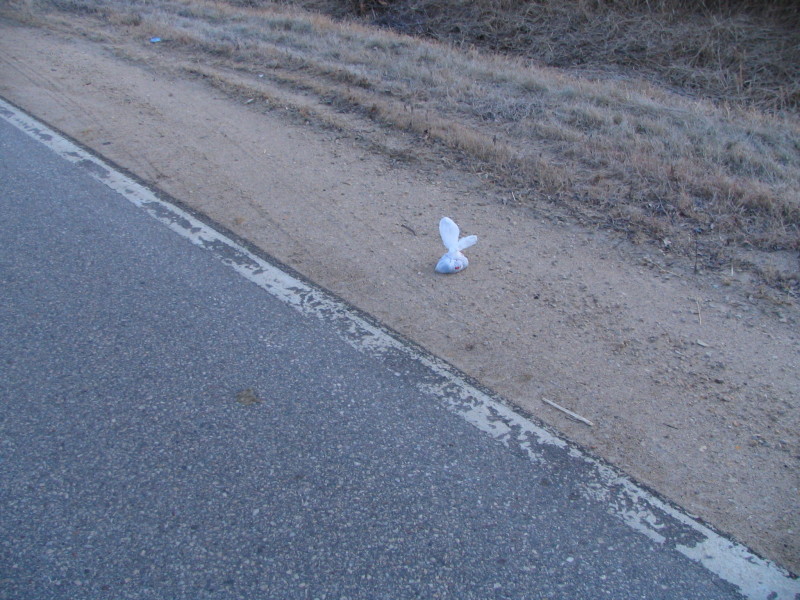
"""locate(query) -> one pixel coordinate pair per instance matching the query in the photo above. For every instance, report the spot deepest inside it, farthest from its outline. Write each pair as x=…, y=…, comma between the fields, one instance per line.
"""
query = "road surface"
x=171, y=429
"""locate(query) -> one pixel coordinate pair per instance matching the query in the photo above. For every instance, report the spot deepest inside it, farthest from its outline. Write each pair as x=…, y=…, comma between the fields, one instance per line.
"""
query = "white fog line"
x=756, y=578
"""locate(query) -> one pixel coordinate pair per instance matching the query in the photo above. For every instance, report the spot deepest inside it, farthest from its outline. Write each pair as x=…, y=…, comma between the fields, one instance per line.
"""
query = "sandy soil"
x=691, y=380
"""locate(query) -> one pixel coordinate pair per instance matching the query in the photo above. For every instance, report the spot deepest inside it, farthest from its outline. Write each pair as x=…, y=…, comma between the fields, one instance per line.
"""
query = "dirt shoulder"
x=691, y=382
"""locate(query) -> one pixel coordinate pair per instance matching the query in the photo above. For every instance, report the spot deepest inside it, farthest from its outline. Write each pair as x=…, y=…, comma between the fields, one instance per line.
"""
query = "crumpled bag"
x=453, y=261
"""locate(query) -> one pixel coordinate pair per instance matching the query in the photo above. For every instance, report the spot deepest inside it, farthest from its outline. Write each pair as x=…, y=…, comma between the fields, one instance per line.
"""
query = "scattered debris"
x=568, y=412
x=701, y=343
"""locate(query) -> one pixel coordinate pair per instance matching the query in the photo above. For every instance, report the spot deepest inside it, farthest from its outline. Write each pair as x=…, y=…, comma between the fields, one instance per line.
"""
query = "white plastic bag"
x=453, y=261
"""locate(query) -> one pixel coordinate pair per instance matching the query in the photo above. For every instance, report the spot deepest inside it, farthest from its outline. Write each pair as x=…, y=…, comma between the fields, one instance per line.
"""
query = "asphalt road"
x=170, y=430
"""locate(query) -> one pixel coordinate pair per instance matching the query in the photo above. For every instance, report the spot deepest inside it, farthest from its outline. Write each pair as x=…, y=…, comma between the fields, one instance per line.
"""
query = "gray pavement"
x=170, y=430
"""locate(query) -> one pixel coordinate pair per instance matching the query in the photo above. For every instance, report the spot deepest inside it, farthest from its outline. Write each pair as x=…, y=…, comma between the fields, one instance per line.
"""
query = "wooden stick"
x=651, y=263
x=568, y=412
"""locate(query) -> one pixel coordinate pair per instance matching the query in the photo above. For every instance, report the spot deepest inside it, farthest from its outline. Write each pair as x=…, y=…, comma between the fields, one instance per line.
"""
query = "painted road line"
x=640, y=509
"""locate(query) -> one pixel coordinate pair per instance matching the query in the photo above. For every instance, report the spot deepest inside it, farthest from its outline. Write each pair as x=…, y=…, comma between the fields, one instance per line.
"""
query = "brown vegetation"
x=734, y=50
x=715, y=182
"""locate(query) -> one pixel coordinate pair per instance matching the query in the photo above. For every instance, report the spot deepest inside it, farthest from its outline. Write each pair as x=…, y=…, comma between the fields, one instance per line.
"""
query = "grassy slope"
x=675, y=170
x=735, y=50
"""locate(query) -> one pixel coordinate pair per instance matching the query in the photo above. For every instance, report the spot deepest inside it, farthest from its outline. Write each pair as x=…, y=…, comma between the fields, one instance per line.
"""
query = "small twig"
x=568, y=412
x=652, y=263
x=696, y=253
x=407, y=227
x=699, y=316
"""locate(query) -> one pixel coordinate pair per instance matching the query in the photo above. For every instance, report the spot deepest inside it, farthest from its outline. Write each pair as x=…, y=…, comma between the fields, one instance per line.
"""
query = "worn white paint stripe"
x=755, y=577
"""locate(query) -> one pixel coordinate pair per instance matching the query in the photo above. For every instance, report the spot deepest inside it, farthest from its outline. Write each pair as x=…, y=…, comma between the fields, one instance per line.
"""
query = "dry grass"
x=740, y=50
x=659, y=166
